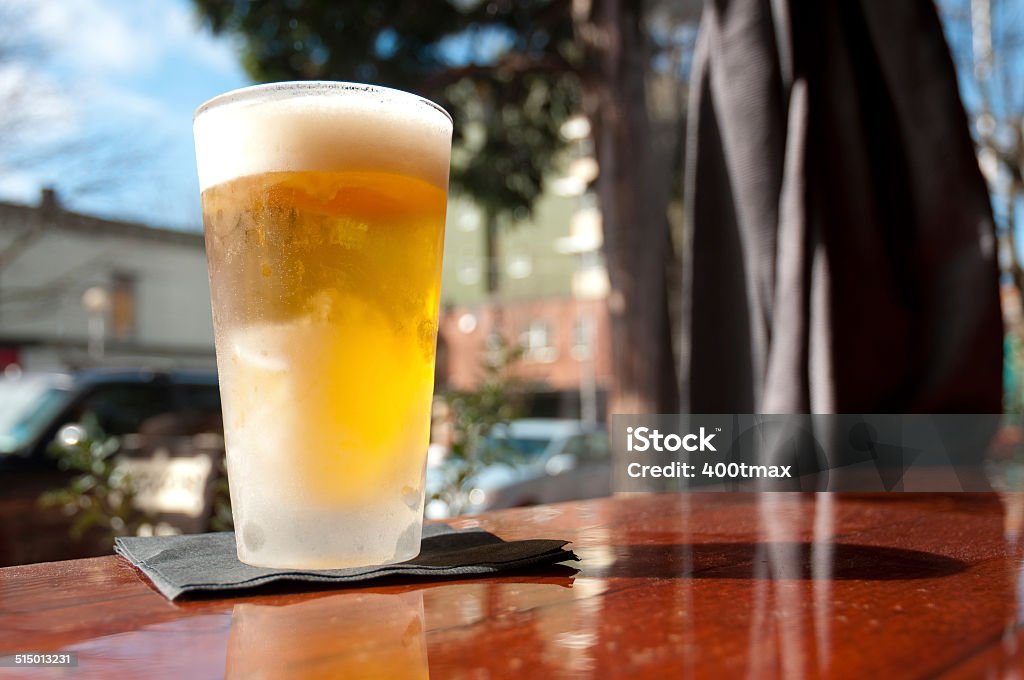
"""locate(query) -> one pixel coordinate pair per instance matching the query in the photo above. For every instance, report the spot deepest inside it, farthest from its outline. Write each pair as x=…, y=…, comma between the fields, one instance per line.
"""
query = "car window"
x=599, y=446
x=26, y=410
x=526, y=447
x=576, y=446
x=204, y=398
x=123, y=408
x=591, y=447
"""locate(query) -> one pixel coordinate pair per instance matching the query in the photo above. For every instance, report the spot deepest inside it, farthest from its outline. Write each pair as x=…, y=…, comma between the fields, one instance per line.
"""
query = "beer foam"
x=322, y=126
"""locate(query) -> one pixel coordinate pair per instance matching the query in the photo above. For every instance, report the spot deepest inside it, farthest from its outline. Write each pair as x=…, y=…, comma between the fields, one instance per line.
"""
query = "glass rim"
x=269, y=91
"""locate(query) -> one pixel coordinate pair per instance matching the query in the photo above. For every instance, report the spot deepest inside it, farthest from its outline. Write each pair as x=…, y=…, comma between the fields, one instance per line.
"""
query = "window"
x=123, y=408
x=519, y=266
x=598, y=448
x=468, y=273
x=204, y=398
x=200, y=412
x=576, y=446
x=122, y=306
x=582, y=338
x=469, y=221
x=29, y=404
x=537, y=341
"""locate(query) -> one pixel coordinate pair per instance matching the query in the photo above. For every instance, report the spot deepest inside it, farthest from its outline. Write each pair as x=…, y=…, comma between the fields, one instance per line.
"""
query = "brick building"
x=564, y=344
x=551, y=301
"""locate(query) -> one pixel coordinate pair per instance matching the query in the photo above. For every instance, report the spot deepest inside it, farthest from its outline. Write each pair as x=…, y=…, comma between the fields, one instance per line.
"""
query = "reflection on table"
x=360, y=636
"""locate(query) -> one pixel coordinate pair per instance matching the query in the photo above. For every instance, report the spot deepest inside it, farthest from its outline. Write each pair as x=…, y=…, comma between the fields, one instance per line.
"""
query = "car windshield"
x=527, y=447
x=27, y=404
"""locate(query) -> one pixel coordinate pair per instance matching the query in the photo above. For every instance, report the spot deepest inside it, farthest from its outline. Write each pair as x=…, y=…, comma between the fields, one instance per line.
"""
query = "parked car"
x=170, y=431
x=35, y=406
x=550, y=460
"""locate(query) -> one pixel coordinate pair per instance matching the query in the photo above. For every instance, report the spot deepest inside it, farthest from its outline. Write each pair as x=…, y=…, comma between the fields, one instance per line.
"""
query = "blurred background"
x=109, y=410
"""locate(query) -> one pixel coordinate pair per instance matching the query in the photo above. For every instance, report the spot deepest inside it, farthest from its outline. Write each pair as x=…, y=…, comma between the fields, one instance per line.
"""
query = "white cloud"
x=95, y=36
x=101, y=103
x=94, y=51
x=85, y=47
x=26, y=92
x=115, y=103
x=185, y=36
x=117, y=37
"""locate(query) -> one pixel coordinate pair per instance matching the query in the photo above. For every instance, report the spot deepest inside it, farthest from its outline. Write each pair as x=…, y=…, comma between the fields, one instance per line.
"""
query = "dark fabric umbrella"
x=841, y=255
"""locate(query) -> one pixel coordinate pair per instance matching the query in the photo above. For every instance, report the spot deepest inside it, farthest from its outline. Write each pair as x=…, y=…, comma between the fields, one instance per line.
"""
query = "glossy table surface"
x=696, y=585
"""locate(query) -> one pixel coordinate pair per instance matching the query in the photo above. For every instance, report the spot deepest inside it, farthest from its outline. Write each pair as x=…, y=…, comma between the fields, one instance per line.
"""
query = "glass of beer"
x=323, y=209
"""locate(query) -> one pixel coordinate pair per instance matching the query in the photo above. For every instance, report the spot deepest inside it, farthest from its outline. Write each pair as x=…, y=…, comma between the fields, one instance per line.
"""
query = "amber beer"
x=324, y=207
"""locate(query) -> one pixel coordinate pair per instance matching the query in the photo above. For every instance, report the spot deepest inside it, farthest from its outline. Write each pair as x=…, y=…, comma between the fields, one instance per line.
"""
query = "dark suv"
x=146, y=409
x=34, y=407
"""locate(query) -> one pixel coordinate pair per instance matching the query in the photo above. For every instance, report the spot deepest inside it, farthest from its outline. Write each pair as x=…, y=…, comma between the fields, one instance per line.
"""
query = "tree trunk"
x=492, y=277
x=492, y=281
x=1013, y=259
x=633, y=192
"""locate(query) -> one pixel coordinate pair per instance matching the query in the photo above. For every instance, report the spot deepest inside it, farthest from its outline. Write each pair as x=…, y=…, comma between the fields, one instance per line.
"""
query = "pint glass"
x=323, y=208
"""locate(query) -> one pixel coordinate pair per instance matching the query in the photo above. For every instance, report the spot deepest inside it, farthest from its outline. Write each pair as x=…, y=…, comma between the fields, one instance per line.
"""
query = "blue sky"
x=126, y=77
x=122, y=78
x=117, y=83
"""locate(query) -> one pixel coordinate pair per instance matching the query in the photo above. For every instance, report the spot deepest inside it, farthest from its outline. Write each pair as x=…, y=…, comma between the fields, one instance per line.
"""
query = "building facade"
x=551, y=301
x=79, y=291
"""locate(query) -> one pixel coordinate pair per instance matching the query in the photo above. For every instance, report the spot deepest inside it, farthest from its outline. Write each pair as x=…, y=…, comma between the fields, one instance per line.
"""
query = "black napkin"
x=207, y=562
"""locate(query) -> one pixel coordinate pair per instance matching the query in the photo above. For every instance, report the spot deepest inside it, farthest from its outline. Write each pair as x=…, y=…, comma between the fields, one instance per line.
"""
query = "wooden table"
x=692, y=586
